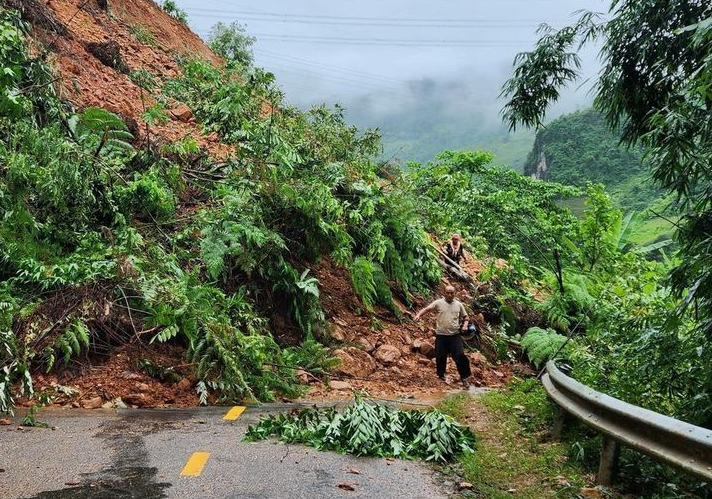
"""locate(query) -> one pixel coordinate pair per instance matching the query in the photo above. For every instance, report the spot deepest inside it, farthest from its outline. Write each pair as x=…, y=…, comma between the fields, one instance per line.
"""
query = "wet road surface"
x=148, y=453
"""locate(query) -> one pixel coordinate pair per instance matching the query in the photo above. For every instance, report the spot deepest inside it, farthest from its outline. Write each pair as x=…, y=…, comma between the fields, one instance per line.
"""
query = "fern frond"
x=541, y=344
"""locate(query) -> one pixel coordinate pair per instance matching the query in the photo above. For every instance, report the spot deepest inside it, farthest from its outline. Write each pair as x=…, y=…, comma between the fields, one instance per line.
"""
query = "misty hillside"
x=427, y=117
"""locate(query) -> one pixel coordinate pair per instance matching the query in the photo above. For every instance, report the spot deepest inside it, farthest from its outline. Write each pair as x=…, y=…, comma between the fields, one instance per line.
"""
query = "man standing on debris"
x=454, y=249
x=451, y=319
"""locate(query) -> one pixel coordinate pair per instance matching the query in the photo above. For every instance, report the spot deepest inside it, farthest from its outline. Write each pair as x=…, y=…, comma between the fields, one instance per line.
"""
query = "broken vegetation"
x=366, y=428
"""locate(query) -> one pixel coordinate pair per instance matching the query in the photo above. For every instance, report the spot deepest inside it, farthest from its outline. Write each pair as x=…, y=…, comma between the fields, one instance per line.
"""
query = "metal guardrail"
x=682, y=445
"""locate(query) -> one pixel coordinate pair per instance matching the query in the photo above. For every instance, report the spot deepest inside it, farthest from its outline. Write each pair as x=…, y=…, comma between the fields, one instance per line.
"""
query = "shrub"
x=172, y=9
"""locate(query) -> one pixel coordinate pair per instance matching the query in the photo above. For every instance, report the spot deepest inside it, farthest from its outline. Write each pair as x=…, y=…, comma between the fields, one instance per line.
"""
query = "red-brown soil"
x=412, y=373
x=119, y=376
x=87, y=82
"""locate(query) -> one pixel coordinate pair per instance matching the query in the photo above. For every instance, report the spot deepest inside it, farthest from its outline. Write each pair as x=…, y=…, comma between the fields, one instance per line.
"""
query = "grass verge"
x=515, y=455
x=517, y=458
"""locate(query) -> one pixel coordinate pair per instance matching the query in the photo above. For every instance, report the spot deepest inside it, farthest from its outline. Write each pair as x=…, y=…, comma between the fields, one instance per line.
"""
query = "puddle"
x=128, y=476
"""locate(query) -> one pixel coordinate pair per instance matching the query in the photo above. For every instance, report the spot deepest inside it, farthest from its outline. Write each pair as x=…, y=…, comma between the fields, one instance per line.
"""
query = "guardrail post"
x=560, y=420
x=608, y=466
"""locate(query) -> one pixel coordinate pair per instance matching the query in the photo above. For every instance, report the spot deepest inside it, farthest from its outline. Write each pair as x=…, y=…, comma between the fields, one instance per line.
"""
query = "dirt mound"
x=127, y=377
x=92, y=304
x=386, y=355
x=112, y=362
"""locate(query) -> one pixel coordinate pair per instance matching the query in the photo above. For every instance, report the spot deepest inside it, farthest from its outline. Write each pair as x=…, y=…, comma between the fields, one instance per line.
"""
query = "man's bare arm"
x=424, y=311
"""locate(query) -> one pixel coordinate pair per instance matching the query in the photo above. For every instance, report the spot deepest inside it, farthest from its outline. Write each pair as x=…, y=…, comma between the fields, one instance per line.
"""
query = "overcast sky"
x=377, y=57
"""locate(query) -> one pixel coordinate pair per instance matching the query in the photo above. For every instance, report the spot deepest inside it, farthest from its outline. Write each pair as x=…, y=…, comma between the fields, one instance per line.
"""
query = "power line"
x=329, y=67
x=480, y=25
x=390, y=41
x=337, y=79
x=509, y=22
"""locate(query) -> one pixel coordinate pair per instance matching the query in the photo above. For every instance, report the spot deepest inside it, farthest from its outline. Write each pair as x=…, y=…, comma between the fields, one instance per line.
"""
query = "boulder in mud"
x=591, y=493
x=387, y=354
x=354, y=362
x=338, y=333
x=184, y=384
x=478, y=359
x=109, y=54
x=424, y=347
x=339, y=385
x=182, y=113
x=366, y=345
x=92, y=403
x=137, y=399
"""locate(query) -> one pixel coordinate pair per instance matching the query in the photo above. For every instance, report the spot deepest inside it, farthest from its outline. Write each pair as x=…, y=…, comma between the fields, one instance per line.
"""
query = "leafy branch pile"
x=369, y=429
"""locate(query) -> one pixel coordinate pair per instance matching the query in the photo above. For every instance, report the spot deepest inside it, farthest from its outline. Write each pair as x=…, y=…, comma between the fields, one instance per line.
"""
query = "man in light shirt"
x=451, y=319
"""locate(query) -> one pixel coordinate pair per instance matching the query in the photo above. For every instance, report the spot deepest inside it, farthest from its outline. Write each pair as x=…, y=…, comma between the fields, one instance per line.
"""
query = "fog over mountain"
x=427, y=73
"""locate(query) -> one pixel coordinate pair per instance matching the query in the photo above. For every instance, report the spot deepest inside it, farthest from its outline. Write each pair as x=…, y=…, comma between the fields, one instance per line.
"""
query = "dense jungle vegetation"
x=104, y=236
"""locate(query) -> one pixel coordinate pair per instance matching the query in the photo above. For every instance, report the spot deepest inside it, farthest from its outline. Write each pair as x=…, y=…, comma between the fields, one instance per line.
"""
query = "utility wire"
x=391, y=41
x=335, y=79
x=242, y=18
x=330, y=67
x=273, y=15
x=356, y=76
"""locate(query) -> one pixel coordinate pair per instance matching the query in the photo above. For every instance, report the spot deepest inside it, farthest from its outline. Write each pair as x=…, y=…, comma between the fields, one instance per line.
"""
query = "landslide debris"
x=96, y=52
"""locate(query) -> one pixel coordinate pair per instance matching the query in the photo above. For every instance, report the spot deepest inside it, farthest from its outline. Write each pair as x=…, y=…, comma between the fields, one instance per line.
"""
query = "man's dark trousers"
x=451, y=345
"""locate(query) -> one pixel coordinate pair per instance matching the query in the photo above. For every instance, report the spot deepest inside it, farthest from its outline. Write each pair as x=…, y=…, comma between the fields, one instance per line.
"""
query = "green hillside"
x=578, y=148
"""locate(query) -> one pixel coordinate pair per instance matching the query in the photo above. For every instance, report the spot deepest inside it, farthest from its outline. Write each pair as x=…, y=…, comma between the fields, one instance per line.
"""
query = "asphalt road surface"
x=187, y=454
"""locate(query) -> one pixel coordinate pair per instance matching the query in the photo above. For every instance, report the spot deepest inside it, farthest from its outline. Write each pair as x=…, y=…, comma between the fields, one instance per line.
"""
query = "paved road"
x=141, y=454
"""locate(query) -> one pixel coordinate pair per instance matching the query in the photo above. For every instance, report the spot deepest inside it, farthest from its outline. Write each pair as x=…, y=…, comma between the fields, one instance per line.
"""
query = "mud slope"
x=95, y=49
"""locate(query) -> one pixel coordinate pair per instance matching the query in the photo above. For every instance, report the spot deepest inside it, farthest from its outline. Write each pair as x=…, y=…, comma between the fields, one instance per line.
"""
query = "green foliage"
x=172, y=9
x=579, y=148
x=97, y=130
x=362, y=280
x=30, y=419
x=14, y=370
x=541, y=345
x=312, y=357
x=148, y=195
x=232, y=43
x=143, y=35
x=77, y=207
x=667, y=113
x=515, y=454
x=25, y=83
x=514, y=215
x=369, y=429
x=155, y=115
x=70, y=343
x=573, y=306
x=236, y=364
x=159, y=372
x=143, y=79
x=600, y=238
x=238, y=239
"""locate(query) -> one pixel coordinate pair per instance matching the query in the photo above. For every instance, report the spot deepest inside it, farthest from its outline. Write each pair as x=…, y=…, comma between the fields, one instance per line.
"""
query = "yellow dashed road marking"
x=234, y=413
x=195, y=465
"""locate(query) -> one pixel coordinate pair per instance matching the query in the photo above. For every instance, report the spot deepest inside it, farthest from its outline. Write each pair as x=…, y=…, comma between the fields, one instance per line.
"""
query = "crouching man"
x=451, y=319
